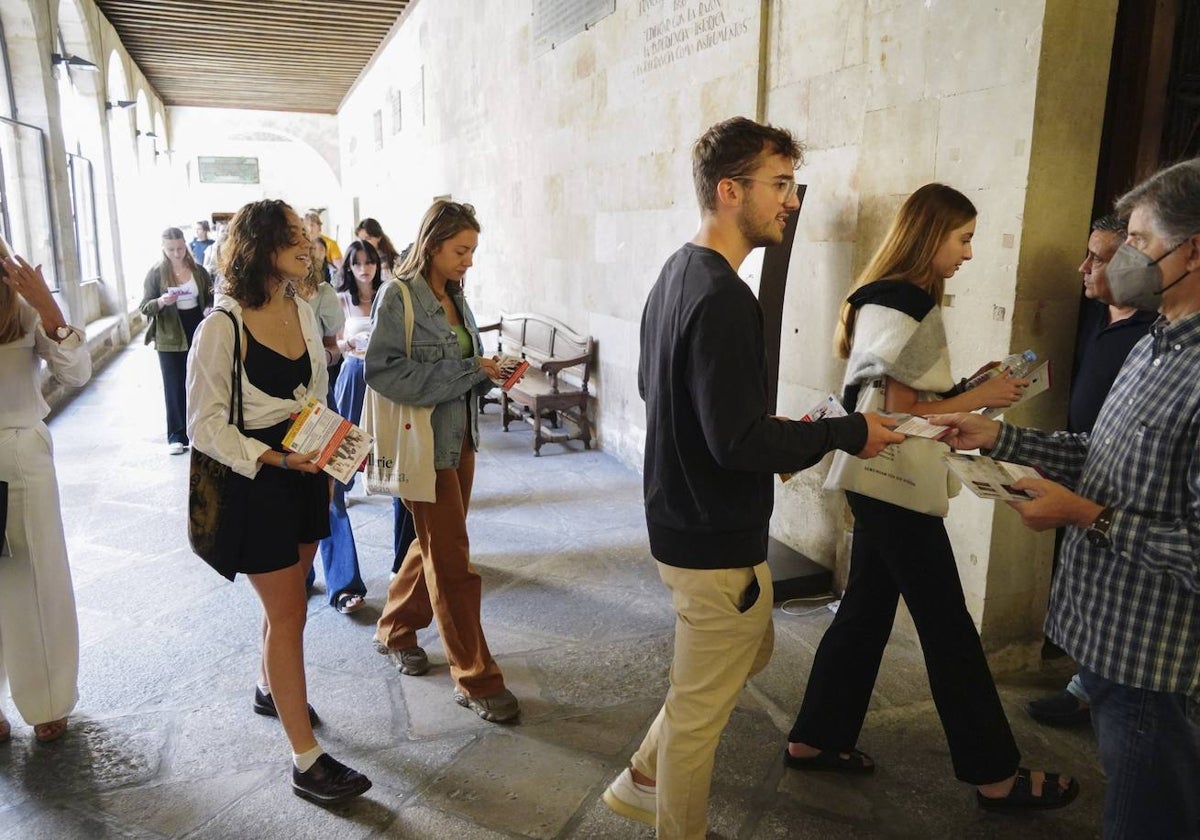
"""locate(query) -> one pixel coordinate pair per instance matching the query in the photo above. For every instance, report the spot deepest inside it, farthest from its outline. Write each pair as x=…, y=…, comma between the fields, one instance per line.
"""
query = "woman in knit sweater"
x=892, y=335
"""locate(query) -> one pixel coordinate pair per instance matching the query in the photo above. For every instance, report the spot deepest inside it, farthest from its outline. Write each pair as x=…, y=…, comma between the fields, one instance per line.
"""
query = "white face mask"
x=1136, y=280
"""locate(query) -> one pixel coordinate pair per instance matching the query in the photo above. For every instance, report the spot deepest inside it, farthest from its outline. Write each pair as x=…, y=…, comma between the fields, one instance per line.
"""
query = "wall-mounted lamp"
x=73, y=61
x=120, y=103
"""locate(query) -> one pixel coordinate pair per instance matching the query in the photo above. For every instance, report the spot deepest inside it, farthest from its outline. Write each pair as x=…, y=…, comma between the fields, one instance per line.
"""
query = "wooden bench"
x=555, y=388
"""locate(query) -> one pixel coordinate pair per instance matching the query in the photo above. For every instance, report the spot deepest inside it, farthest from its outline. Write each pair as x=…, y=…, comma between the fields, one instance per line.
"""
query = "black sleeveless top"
x=274, y=373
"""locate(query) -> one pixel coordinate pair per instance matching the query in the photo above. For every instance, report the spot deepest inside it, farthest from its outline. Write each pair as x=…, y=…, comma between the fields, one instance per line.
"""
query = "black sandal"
x=349, y=602
x=1022, y=798
x=856, y=762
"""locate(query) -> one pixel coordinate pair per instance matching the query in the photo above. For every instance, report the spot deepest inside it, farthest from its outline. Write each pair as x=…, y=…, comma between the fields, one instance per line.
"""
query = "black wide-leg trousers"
x=898, y=552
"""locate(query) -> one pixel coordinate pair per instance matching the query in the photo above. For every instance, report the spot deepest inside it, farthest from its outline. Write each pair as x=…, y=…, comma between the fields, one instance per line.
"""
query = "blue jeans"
x=403, y=532
x=339, y=555
x=1150, y=752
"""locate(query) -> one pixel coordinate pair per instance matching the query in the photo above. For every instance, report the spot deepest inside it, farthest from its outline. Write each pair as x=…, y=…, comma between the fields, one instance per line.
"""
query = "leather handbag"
x=401, y=461
x=216, y=494
x=911, y=475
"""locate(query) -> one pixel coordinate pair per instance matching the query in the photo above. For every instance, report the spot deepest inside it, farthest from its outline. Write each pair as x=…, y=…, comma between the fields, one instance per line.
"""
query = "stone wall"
x=577, y=159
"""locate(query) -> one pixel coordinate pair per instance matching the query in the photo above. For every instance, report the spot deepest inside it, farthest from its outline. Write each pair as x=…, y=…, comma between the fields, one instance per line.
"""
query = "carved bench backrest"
x=542, y=339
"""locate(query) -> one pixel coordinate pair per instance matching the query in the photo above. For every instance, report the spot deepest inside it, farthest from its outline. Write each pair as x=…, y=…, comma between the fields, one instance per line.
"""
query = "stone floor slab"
x=164, y=742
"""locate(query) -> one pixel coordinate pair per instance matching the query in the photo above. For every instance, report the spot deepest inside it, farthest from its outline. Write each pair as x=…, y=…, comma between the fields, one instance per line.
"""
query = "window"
x=83, y=214
x=25, y=196
x=396, y=122
x=378, y=119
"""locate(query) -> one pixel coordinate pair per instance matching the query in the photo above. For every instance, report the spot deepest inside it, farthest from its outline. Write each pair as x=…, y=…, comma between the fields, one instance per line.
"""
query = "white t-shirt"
x=187, y=295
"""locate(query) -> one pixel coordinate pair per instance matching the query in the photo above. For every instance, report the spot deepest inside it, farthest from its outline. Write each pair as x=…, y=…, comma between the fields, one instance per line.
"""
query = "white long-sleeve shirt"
x=209, y=391
x=21, y=403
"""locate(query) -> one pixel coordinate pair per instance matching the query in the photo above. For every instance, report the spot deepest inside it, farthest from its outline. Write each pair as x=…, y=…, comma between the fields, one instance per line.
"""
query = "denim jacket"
x=436, y=374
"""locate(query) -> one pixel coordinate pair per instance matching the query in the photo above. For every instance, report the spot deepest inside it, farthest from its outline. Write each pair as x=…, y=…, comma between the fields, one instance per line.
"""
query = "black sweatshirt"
x=711, y=445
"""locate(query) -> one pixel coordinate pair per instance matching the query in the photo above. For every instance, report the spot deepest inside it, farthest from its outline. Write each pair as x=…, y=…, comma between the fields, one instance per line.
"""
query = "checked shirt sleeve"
x=1059, y=455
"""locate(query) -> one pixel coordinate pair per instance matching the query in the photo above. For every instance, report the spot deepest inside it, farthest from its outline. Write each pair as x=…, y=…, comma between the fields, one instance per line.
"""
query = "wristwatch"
x=1097, y=532
x=62, y=332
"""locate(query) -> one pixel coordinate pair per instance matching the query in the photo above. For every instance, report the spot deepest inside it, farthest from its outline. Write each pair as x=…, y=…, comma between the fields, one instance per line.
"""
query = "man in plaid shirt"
x=1126, y=601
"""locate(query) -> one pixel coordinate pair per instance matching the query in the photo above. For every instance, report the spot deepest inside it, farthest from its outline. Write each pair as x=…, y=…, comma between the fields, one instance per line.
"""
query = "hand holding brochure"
x=831, y=406
x=1040, y=379
x=512, y=368
x=916, y=426
x=988, y=478
x=343, y=446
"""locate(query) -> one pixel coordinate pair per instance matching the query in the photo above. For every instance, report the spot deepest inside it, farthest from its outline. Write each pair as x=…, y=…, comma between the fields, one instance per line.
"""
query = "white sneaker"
x=631, y=800
x=175, y=448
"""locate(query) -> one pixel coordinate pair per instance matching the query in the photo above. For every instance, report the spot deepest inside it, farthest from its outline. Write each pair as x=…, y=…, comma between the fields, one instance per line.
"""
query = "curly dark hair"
x=247, y=259
x=346, y=281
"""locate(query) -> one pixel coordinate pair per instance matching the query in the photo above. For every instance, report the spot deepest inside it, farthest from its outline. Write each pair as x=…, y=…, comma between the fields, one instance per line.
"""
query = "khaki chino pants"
x=717, y=648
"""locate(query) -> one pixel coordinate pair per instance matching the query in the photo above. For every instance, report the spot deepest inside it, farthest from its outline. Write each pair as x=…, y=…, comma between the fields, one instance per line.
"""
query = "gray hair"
x=1172, y=196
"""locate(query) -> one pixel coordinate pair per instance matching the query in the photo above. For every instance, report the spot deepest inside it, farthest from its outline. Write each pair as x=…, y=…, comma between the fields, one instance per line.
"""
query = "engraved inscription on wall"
x=676, y=30
x=554, y=21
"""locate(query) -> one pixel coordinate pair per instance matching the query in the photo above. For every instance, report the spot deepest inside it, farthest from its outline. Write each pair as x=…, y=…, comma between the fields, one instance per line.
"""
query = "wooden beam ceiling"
x=273, y=55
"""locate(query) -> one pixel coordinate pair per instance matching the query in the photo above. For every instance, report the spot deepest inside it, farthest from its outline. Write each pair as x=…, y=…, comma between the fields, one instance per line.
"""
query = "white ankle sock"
x=305, y=760
x=265, y=689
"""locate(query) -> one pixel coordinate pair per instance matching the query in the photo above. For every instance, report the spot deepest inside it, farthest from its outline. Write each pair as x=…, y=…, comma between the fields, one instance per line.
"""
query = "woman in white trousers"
x=39, y=634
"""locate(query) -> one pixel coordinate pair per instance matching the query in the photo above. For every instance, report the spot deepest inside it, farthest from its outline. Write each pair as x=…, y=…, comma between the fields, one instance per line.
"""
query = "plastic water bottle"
x=1017, y=365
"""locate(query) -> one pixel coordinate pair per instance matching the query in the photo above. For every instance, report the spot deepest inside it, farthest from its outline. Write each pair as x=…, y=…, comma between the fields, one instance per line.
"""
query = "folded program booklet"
x=988, y=478
x=343, y=446
x=831, y=406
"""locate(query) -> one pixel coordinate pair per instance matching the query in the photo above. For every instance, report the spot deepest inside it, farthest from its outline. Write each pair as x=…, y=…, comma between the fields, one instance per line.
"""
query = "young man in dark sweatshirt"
x=711, y=451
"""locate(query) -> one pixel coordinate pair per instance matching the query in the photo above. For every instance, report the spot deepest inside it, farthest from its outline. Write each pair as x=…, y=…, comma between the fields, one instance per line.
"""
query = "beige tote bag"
x=401, y=461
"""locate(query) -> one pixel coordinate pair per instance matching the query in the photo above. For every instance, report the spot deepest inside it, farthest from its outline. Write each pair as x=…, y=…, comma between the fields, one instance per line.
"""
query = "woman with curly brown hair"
x=265, y=252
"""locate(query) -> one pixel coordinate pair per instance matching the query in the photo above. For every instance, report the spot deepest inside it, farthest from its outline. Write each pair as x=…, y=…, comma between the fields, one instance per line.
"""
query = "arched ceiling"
x=276, y=55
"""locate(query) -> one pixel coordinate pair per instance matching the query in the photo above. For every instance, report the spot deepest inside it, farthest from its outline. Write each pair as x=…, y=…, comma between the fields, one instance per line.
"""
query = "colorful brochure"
x=512, y=368
x=988, y=478
x=343, y=446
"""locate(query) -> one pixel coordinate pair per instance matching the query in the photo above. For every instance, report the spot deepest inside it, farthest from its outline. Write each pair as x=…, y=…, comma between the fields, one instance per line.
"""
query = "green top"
x=465, y=344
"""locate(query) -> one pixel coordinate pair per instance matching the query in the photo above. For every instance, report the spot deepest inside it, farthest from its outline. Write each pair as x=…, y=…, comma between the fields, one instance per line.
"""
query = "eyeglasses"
x=785, y=188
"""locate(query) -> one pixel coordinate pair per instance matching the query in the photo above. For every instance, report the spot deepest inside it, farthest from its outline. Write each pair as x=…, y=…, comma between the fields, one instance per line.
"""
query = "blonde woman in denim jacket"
x=446, y=370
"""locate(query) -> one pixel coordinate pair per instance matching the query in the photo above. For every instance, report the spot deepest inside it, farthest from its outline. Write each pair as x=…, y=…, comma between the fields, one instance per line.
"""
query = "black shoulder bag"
x=216, y=494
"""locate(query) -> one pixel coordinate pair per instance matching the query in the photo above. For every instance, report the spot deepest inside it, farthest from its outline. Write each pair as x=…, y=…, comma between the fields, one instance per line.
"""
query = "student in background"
x=1107, y=332
x=176, y=295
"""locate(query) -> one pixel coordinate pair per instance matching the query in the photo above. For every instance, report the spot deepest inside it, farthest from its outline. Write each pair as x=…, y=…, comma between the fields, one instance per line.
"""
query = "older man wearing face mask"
x=1107, y=332
x=1126, y=601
